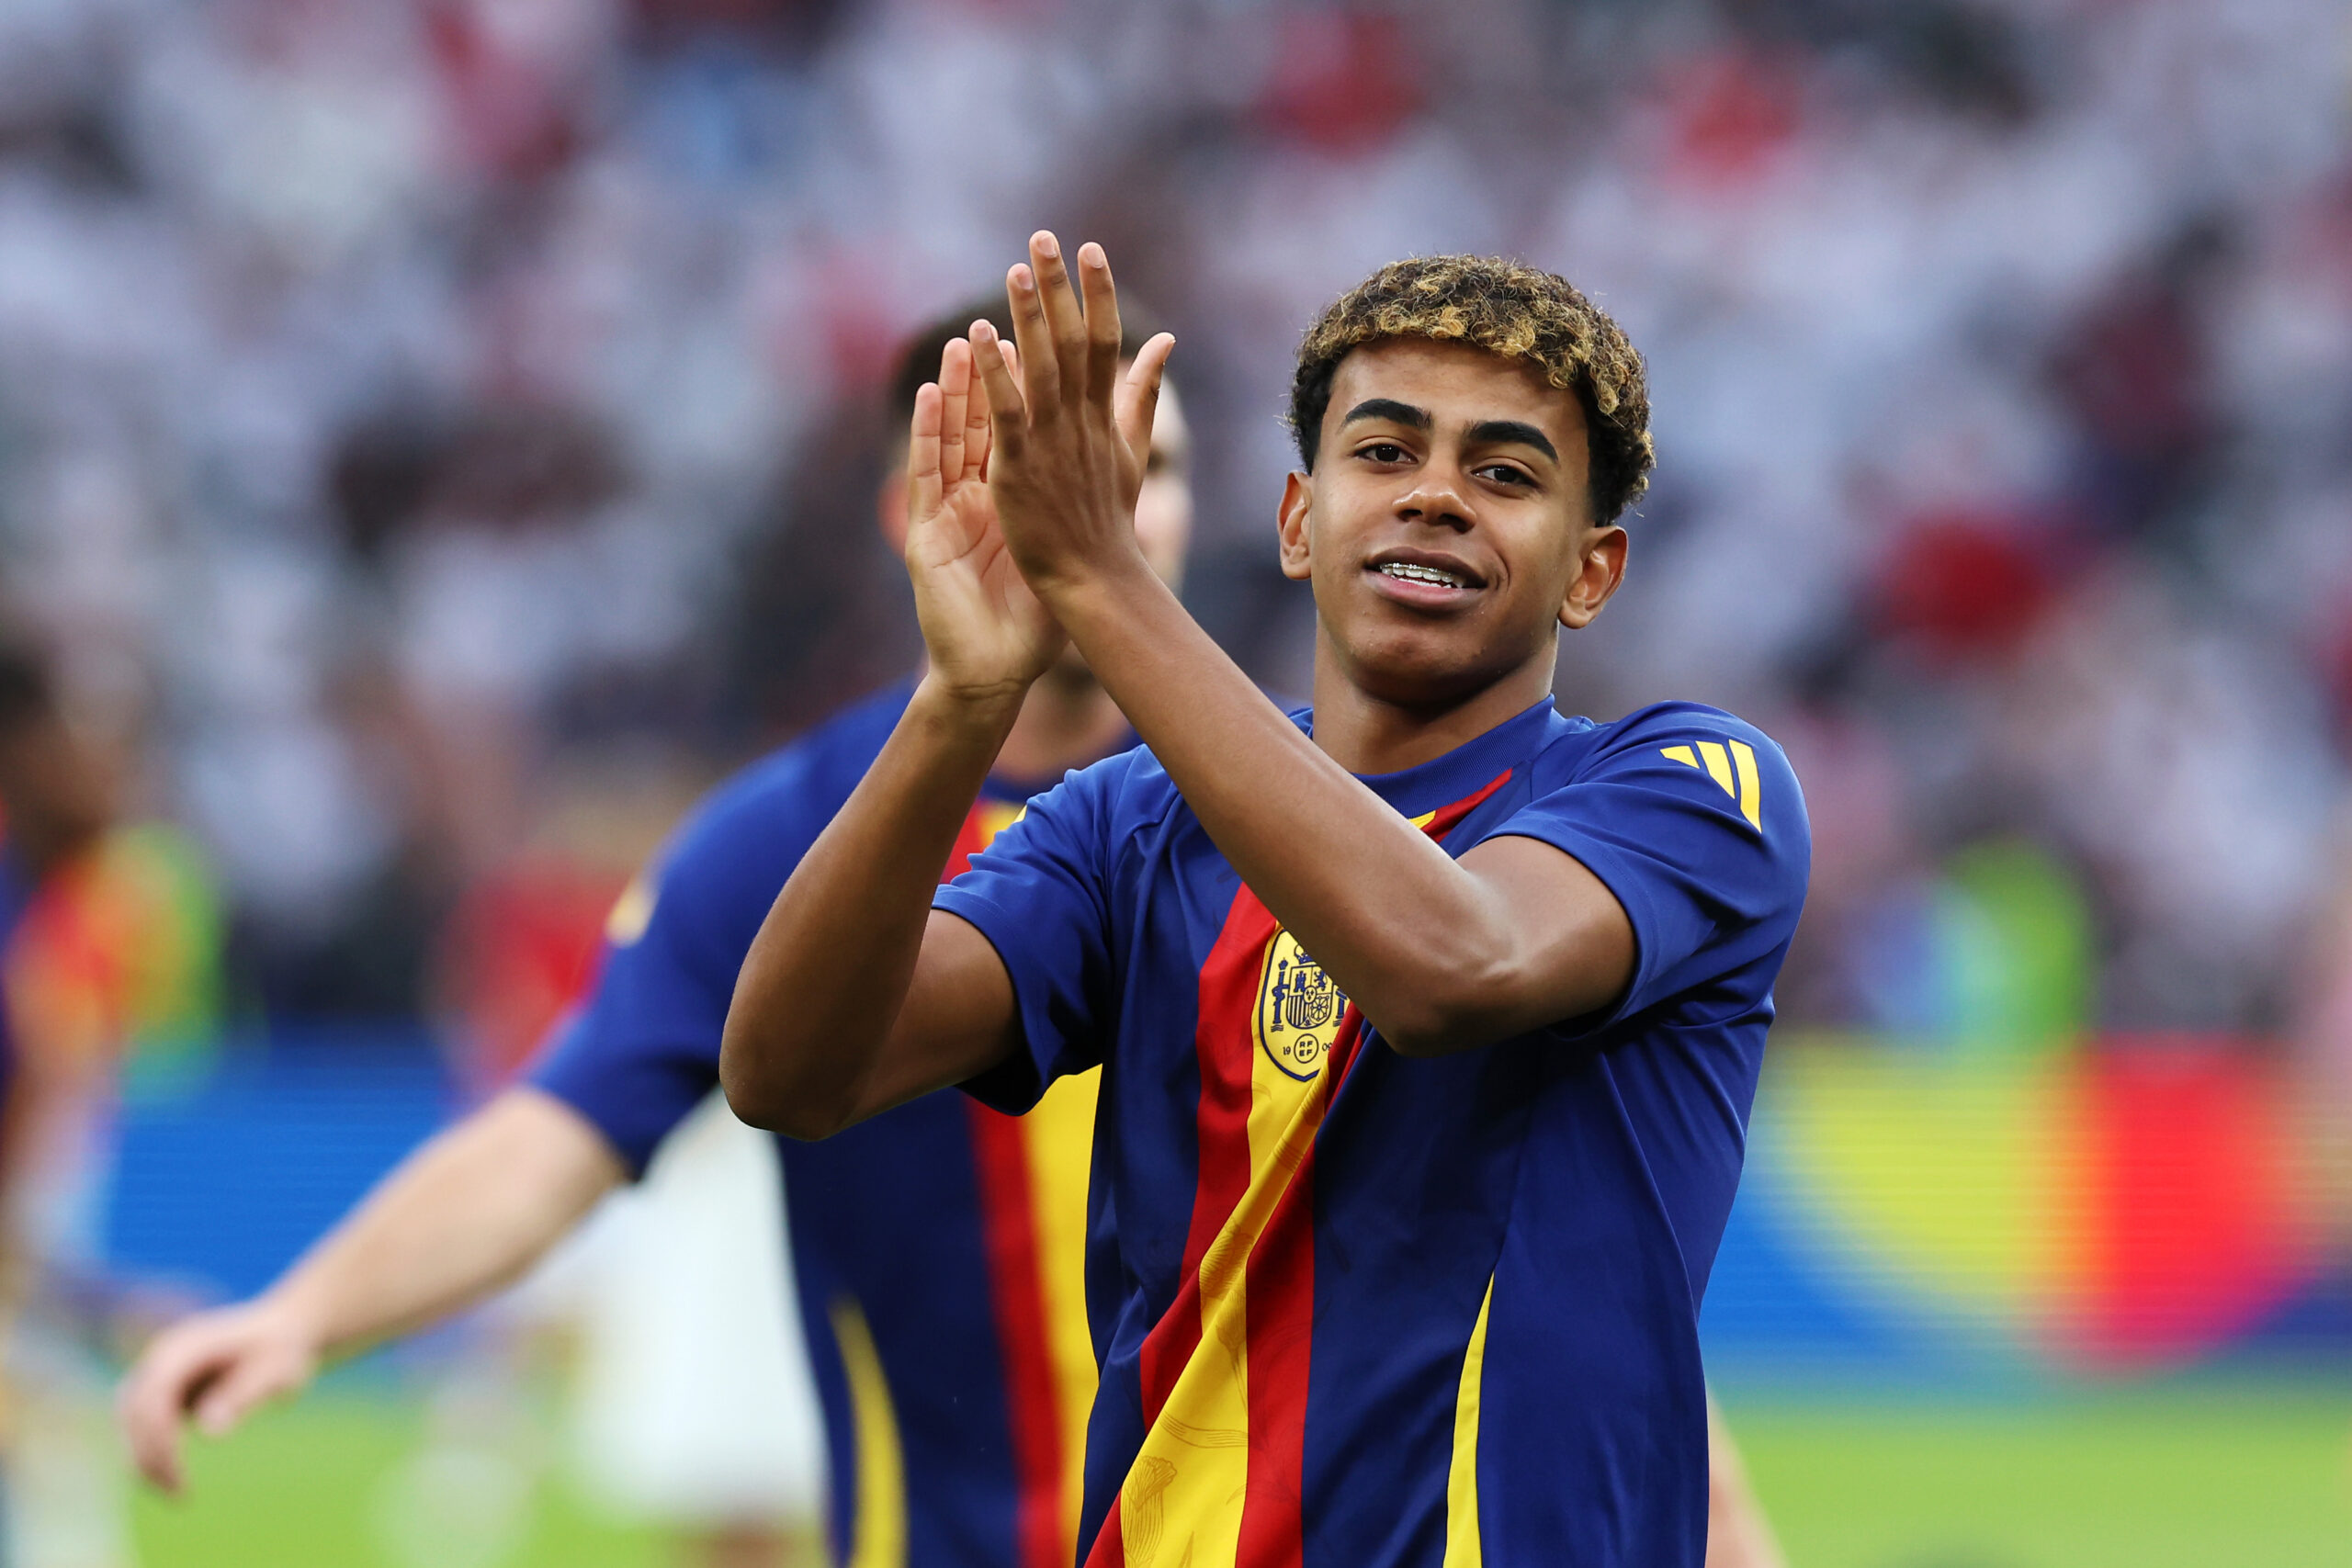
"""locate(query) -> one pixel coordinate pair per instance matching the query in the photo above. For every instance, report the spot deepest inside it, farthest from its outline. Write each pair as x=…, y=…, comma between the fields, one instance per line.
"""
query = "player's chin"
x=1423, y=666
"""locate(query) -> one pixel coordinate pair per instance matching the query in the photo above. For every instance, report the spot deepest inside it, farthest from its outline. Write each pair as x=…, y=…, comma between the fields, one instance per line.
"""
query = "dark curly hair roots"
x=1513, y=312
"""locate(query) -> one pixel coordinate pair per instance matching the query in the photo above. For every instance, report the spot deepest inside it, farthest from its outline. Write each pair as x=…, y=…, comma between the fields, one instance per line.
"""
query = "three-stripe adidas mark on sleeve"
x=1735, y=773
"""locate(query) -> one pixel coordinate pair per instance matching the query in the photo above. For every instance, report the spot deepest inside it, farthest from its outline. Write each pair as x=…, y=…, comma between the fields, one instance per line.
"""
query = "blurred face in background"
x=1447, y=526
x=1163, y=507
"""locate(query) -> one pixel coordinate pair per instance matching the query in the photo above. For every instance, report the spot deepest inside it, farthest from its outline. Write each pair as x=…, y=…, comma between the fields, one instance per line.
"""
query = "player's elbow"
x=764, y=1097
x=800, y=1116
x=1431, y=1032
x=1450, y=1005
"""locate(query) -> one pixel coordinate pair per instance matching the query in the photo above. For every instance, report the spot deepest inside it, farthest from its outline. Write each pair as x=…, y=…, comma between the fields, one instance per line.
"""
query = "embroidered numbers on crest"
x=1298, y=1008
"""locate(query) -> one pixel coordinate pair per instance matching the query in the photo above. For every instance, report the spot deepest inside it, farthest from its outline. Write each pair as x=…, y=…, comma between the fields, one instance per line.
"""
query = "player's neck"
x=1367, y=734
x=1067, y=721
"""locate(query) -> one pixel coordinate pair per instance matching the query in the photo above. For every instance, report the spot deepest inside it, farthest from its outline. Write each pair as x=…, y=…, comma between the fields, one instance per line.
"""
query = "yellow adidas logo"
x=1735, y=773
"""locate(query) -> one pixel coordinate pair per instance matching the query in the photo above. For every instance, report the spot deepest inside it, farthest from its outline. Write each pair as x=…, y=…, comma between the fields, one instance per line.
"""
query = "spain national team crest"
x=1298, y=1008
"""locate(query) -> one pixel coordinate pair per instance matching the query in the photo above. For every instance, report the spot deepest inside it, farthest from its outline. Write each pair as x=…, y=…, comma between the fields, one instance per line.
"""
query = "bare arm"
x=1440, y=954
x=463, y=1216
x=856, y=994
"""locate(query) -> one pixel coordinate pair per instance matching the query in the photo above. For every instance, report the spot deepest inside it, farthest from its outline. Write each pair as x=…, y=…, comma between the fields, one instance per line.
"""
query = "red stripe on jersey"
x=1441, y=821
x=1010, y=1234
x=1110, y=1544
x=1228, y=994
x=970, y=840
x=1280, y=1328
x=1280, y=1269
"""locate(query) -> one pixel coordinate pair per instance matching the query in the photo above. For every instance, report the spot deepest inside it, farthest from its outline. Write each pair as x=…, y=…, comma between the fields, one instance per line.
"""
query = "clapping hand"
x=988, y=636
x=1070, y=434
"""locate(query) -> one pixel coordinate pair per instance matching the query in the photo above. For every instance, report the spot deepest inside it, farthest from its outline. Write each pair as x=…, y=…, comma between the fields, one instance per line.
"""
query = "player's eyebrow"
x=1392, y=411
x=1511, y=432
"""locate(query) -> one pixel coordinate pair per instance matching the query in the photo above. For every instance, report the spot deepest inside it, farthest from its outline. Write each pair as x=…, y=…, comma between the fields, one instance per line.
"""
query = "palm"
x=984, y=628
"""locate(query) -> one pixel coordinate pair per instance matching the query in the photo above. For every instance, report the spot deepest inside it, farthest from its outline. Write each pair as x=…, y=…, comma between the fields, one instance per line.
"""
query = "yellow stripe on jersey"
x=878, y=1535
x=1463, y=1547
x=1059, y=1135
x=1750, y=792
x=1183, y=1496
x=1720, y=767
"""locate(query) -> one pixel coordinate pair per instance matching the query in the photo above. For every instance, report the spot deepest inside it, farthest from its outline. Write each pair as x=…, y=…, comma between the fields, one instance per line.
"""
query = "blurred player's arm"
x=1738, y=1534
x=463, y=1216
x=857, y=996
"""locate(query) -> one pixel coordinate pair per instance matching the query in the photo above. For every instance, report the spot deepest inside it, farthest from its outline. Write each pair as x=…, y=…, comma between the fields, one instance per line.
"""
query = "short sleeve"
x=642, y=1051
x=1039, y=893
x=1694, y=821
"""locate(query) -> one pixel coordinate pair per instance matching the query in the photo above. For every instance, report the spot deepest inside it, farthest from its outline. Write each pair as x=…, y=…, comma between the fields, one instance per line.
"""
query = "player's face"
x=1164, y=505
x=1447, y=526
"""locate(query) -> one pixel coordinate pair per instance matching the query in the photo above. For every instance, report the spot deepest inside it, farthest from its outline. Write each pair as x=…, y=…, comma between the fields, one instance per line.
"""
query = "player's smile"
x=1426, y=580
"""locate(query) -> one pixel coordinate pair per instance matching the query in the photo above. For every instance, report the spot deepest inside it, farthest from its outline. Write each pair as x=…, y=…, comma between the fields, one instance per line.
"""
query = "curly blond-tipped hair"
x=1510, y=310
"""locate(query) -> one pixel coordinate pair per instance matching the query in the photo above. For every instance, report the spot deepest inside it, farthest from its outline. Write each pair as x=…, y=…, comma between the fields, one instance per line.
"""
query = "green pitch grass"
x=2200, y=1477
x=355, y=1480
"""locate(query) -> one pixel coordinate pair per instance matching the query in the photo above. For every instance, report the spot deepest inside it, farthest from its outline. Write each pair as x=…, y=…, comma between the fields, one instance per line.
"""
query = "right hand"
x=988, y=636
x=215, y=1369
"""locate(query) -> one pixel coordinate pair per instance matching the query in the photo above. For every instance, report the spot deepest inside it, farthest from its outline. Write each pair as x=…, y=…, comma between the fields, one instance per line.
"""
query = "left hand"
x=985, y=634
x=1070, y=434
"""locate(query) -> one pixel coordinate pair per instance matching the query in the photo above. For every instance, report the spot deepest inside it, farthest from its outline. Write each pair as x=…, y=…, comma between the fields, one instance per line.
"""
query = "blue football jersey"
x=1359, y=1309
x=938, y=1248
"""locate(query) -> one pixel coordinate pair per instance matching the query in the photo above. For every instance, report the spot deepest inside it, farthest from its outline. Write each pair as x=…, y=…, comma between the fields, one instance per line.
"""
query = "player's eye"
x=1505, y=474
x=1382, y=451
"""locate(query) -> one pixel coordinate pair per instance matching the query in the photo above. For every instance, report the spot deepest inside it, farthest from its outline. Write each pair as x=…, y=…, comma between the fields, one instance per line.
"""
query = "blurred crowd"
x=436, y=438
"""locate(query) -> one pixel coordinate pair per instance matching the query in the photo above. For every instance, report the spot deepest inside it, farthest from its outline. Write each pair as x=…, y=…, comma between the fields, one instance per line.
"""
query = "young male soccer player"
x=1428, y=1020
x=938, y=1253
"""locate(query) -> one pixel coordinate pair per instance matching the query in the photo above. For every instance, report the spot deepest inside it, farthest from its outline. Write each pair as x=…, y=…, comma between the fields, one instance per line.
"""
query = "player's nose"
x=1438, y=503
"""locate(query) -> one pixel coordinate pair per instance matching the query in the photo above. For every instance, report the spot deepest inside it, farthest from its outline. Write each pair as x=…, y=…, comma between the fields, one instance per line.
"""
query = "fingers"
x=246, y=1384
x=1137, y=401
x=999, y=371
x=923, y=485
x=174, y=1371
x=1064, y=320
x=150, y=1424
x=954, y=394
x=1033, y=334
x=1101, y=325
x=975, y=418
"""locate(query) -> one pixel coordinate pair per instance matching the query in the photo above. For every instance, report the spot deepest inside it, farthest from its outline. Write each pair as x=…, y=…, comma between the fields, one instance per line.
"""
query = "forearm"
x=465, y=1215
x=824, y=985
x=1401, y=927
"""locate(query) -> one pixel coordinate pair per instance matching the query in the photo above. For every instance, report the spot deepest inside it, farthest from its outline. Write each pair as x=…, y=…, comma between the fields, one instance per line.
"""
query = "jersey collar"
x=1466, y=770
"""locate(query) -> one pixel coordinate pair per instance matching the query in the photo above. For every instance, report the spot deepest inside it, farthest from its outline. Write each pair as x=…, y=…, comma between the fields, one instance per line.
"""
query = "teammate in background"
x=938, y=1257
x=938, y=1250
x=1430, y=1019
x=53, y=805
x=55, y=800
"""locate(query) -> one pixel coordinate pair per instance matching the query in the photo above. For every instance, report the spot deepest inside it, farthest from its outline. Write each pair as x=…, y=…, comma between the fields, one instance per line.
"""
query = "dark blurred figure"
x=54, y=802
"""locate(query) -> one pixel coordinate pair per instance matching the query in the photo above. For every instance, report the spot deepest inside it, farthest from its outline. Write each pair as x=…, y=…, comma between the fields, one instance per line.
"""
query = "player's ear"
x=1601, y=567
x=1290, y=527
x=890, y=506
